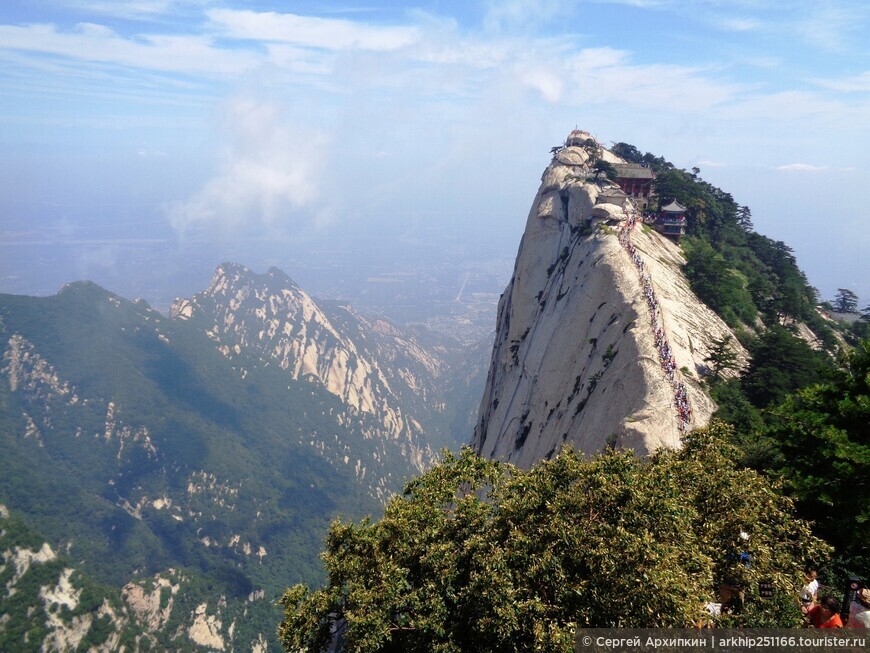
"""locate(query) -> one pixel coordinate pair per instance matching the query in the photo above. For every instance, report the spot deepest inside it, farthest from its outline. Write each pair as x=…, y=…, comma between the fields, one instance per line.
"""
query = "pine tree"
x=722, y=357
x=845, y=301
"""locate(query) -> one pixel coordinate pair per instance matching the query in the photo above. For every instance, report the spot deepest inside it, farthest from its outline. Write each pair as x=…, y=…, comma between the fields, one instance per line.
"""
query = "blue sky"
x=161, y=121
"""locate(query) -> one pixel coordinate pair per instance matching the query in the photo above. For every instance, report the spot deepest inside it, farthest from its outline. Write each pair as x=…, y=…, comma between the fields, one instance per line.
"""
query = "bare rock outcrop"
x=599, y=341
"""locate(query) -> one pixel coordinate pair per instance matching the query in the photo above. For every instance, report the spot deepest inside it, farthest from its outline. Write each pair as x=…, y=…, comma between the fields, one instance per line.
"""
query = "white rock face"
x=63, y=636
x=576, y=360
x=30, y=372
x=384, y=378
x=206, y=629
x=22, y=559
x=145, y=603
x=289, y=330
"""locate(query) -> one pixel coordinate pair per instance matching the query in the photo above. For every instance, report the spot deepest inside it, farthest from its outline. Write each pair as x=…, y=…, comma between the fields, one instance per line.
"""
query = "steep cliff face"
x=388, y=382
x=270, y=317
x=599, y=339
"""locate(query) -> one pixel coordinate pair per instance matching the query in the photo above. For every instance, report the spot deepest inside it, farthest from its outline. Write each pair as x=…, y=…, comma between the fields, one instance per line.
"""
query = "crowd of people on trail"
x=669, y=364
x=825, y=612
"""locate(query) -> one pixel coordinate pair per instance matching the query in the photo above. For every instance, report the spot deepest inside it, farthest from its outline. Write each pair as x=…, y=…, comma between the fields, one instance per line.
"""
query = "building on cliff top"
x=578, y=138
x=636, y=181
x=671, y=221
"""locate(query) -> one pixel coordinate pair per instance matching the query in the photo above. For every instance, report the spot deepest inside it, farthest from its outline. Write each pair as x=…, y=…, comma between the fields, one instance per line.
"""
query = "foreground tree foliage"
x=818, y=442
x=481, y=556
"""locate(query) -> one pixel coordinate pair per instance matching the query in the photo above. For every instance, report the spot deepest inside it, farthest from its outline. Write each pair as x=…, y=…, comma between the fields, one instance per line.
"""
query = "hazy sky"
x=161, y=122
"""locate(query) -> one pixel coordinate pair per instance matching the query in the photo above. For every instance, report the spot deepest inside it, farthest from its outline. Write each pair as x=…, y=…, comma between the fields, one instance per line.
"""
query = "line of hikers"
x=669, y=364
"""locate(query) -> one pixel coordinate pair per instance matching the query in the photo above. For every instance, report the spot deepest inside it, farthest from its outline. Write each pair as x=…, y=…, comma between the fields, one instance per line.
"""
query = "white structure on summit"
x=578, y=138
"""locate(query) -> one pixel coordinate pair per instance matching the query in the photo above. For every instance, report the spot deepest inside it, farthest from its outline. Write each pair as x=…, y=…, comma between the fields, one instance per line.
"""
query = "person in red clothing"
x=825, y=614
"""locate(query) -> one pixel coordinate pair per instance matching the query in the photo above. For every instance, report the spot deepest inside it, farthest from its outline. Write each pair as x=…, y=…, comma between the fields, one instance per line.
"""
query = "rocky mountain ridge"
x=136, y=446
x=387, y=380
x=51, y=604
x=599, y=340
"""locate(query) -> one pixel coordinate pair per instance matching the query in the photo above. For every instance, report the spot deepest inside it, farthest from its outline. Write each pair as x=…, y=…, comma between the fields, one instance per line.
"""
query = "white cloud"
x=732, y=24
x=311, y=31
x=855, y=84
x=832, y=25
x=801, y=167
x=92, y=42
x=604, y=75
x=269, y=172
x=545, y=81
x=502, y=14
x=135, y=8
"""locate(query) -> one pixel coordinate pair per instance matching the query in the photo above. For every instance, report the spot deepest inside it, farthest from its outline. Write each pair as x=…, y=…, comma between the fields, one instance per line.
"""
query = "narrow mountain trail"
x=669, y=364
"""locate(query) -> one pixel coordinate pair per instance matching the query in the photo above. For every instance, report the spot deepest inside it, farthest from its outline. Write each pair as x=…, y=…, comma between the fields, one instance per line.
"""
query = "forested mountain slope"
x=135, y=447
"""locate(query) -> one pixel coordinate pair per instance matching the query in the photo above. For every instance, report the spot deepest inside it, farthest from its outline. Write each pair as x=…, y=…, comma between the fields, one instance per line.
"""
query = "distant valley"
x=426, y=274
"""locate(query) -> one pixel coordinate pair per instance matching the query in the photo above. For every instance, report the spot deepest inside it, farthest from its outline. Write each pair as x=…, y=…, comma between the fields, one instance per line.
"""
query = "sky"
x=154, y=139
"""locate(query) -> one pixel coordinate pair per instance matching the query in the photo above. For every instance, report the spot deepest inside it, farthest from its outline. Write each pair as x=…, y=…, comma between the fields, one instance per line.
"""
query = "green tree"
x=744, y=218
x=722, y=357
x=628, y=152
x=736, y=409
x=861, y=327
x=781, y=363
x=481, y=556
x=717, y=285
x=845, y=301
x=822, y=436
x=604, y=168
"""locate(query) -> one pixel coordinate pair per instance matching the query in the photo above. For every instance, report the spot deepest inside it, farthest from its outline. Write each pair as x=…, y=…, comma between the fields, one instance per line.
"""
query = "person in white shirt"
x=810, y=590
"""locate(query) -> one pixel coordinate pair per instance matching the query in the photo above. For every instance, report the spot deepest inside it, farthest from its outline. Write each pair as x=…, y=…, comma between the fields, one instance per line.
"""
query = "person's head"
x=811, y=574
x=863, y=597
x=829, y=606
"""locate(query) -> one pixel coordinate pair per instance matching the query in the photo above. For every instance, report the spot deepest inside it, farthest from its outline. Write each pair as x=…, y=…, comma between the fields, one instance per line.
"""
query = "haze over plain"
x=145, y=141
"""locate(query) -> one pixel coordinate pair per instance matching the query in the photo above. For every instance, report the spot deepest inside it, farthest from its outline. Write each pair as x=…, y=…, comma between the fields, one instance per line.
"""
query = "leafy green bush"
x=479, y=555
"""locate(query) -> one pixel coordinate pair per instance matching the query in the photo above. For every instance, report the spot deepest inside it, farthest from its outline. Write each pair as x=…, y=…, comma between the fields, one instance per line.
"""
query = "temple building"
x=636, y=181
x=671, y=221
x=612, y=195
x=578, y=138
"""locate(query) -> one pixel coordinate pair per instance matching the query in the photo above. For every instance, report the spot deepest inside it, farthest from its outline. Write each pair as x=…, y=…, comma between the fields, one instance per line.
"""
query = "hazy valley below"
x=445, y=279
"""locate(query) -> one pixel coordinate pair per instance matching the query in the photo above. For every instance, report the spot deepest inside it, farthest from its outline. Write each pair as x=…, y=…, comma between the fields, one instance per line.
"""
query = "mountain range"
x=164, y=477
x=207, y=450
